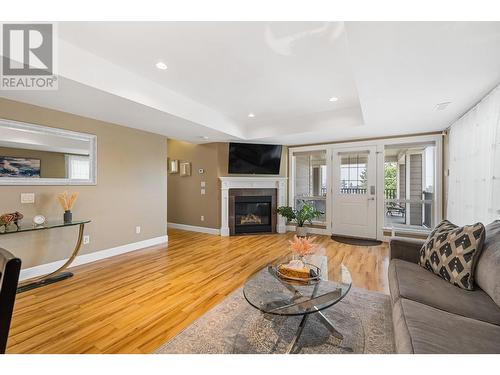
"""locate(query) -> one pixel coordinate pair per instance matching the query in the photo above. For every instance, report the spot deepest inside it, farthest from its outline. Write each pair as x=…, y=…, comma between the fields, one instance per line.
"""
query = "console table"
x=58, y=274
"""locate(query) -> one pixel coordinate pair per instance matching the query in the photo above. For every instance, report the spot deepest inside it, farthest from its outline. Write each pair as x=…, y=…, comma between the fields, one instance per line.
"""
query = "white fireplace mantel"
x=227, y=183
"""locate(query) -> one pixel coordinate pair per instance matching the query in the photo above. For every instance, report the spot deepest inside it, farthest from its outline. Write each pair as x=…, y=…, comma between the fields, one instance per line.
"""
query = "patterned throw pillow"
x=451, y=252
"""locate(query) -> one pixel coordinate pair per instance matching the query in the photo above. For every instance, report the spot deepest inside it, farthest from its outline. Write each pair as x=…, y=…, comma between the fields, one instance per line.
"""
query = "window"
x=78, y=167
x=353, y=178
x=310, y=181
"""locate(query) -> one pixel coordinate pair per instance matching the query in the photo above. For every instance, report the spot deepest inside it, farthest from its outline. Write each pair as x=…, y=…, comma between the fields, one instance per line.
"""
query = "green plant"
x=307, y=213
x=390, y=171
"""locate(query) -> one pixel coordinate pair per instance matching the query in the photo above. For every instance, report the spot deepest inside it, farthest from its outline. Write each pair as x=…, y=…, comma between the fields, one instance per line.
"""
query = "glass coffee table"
x=271, y=294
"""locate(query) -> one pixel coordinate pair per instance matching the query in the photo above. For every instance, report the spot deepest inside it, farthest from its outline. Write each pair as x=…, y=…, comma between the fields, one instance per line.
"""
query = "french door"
x=354, y=192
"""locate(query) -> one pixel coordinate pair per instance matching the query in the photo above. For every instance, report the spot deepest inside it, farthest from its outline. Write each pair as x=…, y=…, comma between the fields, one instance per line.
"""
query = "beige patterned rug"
x=233, y=326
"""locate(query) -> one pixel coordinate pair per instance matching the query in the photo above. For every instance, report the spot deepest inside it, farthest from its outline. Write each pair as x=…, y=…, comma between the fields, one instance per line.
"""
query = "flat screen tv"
x=249, y=158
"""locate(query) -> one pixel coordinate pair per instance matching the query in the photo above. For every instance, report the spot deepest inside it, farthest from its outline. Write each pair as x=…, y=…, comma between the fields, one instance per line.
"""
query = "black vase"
x=68, y=216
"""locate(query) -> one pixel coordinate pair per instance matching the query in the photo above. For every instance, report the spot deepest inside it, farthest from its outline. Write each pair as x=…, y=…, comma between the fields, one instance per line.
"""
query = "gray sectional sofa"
x=430, y=315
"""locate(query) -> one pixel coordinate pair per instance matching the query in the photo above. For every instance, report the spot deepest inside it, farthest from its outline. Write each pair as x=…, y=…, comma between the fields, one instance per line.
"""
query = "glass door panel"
x=310, y=181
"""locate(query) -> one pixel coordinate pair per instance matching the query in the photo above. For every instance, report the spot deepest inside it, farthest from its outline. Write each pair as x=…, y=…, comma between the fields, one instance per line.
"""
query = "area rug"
x=356, y=241
x=233, y=326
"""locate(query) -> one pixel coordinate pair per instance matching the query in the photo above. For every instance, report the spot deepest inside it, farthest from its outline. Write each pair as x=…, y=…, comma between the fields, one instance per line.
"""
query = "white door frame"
x=380, y=147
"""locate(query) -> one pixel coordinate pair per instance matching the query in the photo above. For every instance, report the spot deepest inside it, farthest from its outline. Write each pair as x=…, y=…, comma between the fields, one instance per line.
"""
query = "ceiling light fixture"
x=333, y=99
x=204, y=137
x=442, y=106
x=251, y=115
x=161, y=65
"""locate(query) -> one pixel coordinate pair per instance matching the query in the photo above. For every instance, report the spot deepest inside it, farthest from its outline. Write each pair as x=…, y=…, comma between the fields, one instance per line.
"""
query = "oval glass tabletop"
x=271, y=294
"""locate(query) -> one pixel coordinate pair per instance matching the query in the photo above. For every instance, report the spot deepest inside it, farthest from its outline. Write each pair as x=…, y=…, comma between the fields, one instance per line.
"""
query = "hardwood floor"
x=135, y=302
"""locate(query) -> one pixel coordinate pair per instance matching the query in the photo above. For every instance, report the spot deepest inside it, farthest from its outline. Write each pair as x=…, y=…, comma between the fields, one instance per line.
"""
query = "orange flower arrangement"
x=303, y=246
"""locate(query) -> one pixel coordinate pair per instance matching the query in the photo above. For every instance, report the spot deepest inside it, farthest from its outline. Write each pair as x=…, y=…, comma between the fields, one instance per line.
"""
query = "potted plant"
x=307, y=213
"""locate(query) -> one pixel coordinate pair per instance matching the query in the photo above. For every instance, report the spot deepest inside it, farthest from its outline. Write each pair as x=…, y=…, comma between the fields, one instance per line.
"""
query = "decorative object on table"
x=174, y=166
x=10, y=218
x=38, y=219
x=307, y=213
x=67, y=201
x=299, y=269
x=19, y=167
x=451, y=252
x=185, y=169
x=303, y=246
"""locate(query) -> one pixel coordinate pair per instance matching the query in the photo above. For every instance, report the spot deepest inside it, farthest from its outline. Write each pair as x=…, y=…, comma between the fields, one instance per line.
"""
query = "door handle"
x=371, y=198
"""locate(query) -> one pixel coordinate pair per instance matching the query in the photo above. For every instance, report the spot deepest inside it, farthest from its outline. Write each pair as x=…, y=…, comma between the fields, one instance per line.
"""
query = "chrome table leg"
x=295, y=339
x=329, y=325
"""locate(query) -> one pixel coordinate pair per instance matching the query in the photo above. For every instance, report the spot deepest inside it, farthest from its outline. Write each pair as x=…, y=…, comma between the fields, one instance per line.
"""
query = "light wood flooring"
x=133, y=303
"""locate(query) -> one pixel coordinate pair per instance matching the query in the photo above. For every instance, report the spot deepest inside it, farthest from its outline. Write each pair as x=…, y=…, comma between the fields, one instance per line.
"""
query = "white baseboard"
x=44, y=269
x=193, y=228
x=291, y=228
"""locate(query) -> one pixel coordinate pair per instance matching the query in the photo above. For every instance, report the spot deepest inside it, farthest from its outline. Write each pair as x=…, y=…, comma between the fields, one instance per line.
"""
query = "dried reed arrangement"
x=67, y=201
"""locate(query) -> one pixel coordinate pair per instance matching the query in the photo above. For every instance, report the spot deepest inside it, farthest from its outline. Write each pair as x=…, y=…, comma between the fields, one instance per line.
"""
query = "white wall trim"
x=193, y=228
x=44, y=269
x=312, y=230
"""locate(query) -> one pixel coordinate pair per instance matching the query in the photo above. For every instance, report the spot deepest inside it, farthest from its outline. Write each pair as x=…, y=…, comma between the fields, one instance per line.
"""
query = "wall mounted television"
x=250, y=158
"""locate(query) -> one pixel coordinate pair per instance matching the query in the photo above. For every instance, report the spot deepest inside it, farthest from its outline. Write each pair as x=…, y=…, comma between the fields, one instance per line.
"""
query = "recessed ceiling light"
x=251, y=115
x=204, y=137
x=161, y=65
x=333, y=99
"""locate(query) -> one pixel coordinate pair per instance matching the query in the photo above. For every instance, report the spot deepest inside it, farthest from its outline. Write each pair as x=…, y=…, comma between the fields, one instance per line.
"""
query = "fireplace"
x=252, y=211
x=252, y=214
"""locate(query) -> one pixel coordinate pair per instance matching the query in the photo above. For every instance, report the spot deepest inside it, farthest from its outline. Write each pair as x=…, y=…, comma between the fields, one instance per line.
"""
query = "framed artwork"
x=19, y=167
x=174, y=166
x=185, y=169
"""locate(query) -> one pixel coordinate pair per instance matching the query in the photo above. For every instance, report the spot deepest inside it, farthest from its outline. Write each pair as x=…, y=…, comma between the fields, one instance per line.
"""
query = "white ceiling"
x=388, y=77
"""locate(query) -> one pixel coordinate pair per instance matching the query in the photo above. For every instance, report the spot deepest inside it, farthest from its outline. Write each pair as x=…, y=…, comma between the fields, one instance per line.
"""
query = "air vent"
x=442, y=106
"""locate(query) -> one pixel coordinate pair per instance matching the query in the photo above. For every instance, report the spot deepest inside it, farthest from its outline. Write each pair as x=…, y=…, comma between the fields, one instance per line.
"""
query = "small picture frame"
x=185, y=169
x=174, y=166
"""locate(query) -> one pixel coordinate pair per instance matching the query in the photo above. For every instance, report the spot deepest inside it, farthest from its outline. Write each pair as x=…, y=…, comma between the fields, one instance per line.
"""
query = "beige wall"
x=52, y=164
x=186, y=205
x=130, y=191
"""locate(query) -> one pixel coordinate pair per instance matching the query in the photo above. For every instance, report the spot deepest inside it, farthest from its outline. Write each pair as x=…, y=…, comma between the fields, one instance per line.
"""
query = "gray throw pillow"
x=451, y=252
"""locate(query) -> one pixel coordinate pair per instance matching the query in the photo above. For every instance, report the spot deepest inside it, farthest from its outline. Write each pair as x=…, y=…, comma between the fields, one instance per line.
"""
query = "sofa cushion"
x=488, y=266
x=451, y=252
x=422, y=329
x=410, y=281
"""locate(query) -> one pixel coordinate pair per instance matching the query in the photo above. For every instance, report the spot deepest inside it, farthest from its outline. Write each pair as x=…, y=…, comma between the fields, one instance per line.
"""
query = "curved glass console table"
x=60, y=273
